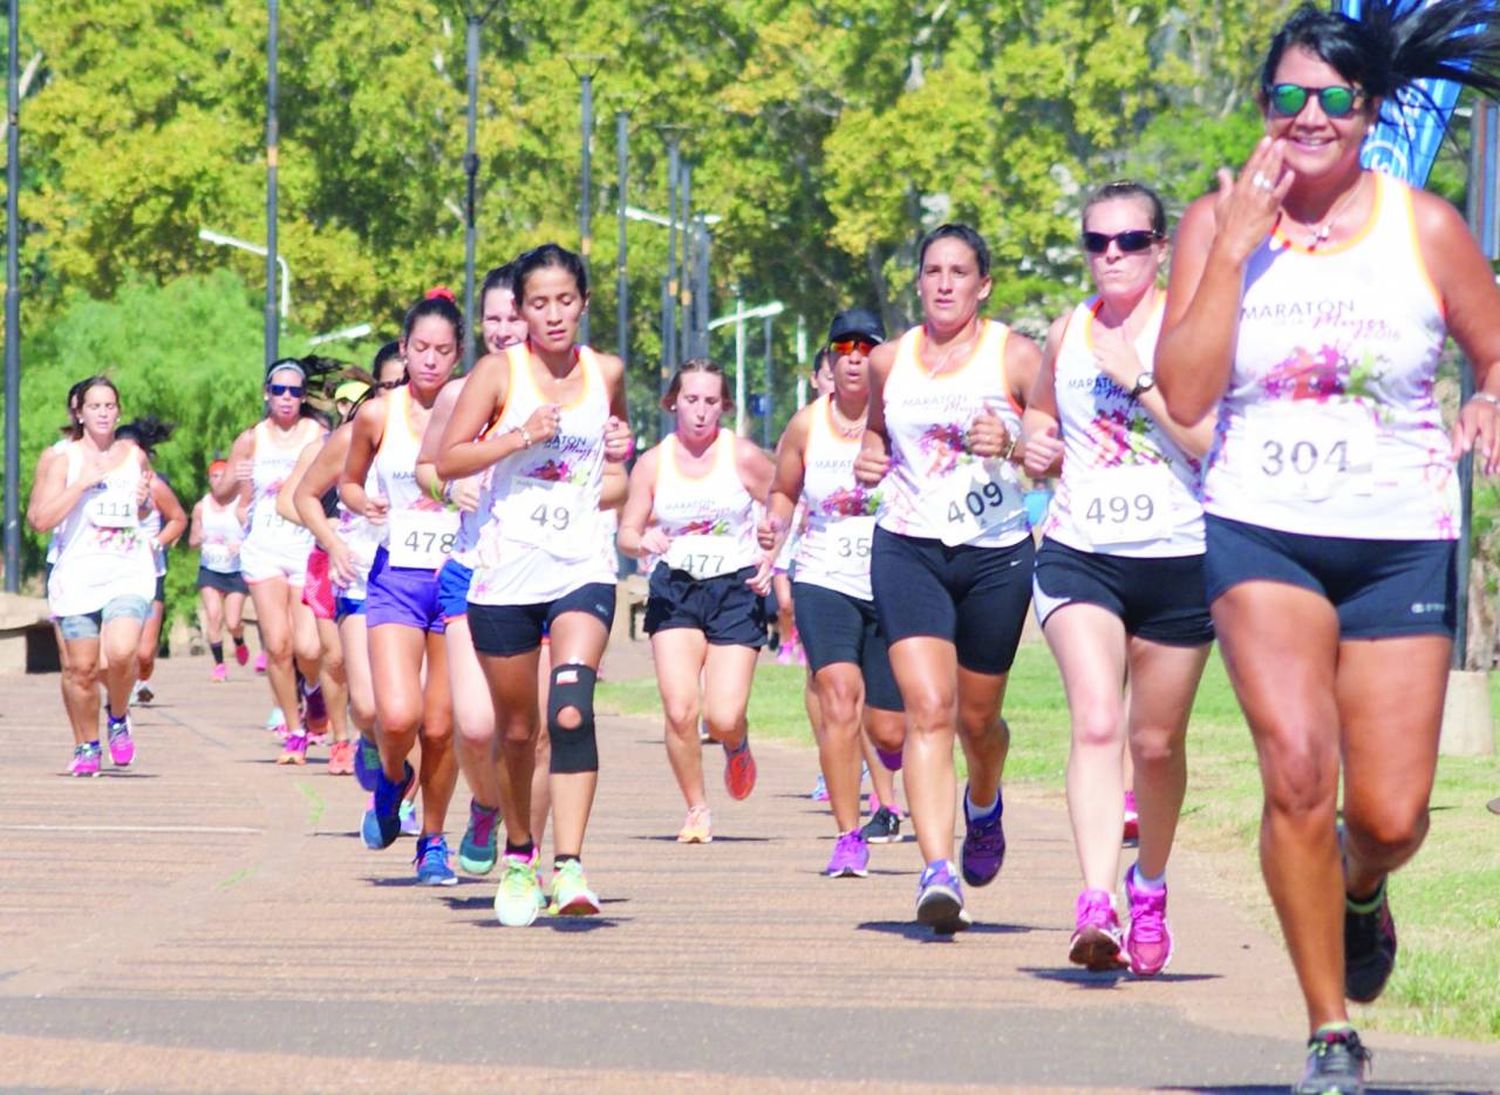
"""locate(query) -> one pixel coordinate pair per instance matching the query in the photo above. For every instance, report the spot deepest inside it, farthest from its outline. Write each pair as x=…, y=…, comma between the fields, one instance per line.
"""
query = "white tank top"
x=1330, y=426
x=710, y=519
x=52, y=541
x=151, y=529
x=102, y=550
x=419, y=531
x=833, y=550
x=541, y=539
x=936, y=490
x=1126, y=489
x=222, y=536
x=271, y=464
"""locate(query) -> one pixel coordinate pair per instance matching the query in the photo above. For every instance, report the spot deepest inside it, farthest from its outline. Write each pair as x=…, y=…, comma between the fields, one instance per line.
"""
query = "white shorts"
x=261, y=561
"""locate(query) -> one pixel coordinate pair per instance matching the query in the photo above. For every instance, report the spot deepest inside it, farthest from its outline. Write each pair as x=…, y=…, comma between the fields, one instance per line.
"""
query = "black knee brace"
x=574, y=748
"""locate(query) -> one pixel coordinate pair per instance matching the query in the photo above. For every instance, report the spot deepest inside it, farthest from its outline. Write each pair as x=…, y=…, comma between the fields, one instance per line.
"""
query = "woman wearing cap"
x=836, y=617
x=403, y=614
x=952, y=553
x=217, y=532
x=1118, y=587
x=559, y=414
x=691, y=518
x=1310, y=300
x=273, y=555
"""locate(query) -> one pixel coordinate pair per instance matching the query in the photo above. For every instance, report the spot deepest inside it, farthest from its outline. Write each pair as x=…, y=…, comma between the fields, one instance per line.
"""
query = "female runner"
x=559, y=413
x=691, y=516
x=952, y=553
x=1118, y=587
x=1310, y=300
x=217, y=533
x=846, y=653
x=163, y=524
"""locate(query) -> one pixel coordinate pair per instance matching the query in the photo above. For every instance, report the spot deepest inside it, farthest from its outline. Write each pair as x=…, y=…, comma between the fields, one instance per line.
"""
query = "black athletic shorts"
x=1381, y=589
x=504, y=630
x=224, y=583
x=725, y=609
x=974, y=597
x=1160, y=600
x=834, y=628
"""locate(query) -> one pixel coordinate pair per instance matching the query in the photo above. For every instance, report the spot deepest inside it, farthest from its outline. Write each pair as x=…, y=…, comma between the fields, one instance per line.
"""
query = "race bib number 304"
x=975, y=501
x=421, y=539
x=1312, y=451
x=1126, y=505
x=703, y=557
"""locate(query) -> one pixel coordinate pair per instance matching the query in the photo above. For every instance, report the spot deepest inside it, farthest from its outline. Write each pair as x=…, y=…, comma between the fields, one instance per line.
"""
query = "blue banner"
x=1405, y=141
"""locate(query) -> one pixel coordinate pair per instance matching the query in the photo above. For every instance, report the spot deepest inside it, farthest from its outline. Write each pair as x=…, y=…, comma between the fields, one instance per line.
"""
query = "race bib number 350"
x=973, y=502
x=1312, y=451
x=421, y=539
x=849, y=545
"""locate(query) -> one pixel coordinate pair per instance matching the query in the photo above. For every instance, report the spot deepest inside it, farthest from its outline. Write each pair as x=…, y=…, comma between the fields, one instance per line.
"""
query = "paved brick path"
x=207, y=921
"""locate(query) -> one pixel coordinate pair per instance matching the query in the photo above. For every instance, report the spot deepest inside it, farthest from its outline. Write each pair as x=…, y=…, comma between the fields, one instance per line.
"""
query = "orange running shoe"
x=739, y=770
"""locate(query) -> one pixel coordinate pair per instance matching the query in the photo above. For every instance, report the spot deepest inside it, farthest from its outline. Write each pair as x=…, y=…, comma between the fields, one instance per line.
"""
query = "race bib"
x=265, y=520
x=848, y=545
x=1311, y=451
x=555, y=517
x=972, y=502
x=223, y=558
x=114, y=508
x=421, y=539
x=704, y=556
x=1126, y=505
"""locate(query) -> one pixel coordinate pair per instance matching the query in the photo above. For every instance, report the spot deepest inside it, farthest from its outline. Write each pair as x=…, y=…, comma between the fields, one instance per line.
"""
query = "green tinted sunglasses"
x=1337, y=101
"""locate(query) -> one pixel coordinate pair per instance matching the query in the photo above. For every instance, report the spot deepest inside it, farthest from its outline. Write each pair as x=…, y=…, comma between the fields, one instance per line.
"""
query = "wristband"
x=438, y=492
x=1486, y=397
x=525, y=436
x=1010, y=450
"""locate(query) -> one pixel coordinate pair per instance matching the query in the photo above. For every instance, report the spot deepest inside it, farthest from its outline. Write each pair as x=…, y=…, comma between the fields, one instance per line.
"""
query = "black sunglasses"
x=1287, y=100
x=1130, y=241
x=287, y=389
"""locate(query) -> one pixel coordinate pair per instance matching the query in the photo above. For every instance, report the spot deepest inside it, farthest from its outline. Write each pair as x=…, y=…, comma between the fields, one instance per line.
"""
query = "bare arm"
x=173, y=516
x=369, y=427
x=236, y=485
x=874, y=458
x=1040, y=430
x=461, y=451
x=285, y=504
x=639, y=501
x=52, y=497
x=195, y=529
x=437, y=422
x=615, y=488
x=755, y=467
x=786, y=484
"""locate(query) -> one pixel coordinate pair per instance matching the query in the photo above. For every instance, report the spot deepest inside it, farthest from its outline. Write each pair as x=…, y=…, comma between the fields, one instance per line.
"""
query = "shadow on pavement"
x=718, y=839
x=1370, y=1089
x=1107, y=978
x=921, y=933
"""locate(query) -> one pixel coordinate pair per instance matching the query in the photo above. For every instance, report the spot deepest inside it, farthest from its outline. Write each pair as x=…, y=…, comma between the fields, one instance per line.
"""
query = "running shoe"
x=739, y=771
x=260, y=661
x=220, y=674
x=382, y=821
x=242, y=655
x=477, y=850
x=851, y=856
x=141, y=694
x=1132, y=833
x=1096, y=934
x=698, y=828
x=983, y=849
x=341, y=758
x=884, y=827
x=1148, y=940
x=1369, y=946
x=784, y=654
x=85, y=760
x=940, y=899
x=317, y=711
x=121, y=744
x=820, y=790
x=518, y=898
x=276, y=723
x=366, y=762
x=571, y=895
x=432, y=862
x=294, y=750
x=1336, y=1063
x=411, y=825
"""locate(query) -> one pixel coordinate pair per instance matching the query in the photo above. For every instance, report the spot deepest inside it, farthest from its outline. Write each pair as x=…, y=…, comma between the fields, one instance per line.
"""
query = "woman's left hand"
x=1478, y=430
x=619, y=444
x=987, y=437
x=760, y=581
x=1116, y=357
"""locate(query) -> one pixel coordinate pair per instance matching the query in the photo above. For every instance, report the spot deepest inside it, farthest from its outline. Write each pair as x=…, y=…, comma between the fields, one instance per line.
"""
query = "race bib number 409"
x=973, y=502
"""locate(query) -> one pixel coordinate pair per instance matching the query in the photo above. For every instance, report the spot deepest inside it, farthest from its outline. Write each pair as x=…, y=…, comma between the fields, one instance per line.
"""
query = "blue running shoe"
x=984, y=844
x=382, y=822
x=478, y=849
x=432, y=862
x=940, y=899
x=366, y=763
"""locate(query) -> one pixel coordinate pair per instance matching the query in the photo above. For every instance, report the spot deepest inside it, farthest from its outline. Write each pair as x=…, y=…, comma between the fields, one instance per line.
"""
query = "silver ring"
x=1261, y=182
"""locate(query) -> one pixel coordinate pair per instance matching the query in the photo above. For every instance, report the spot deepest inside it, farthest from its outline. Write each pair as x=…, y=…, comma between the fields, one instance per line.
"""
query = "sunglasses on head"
x=1130, y=241
x=846, y=346
x=1337, y=101
x=286, y=389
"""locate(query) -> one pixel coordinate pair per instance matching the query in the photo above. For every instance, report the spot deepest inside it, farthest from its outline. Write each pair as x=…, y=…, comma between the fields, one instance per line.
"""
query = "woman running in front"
x=217, y=533
x=846, y=652
x=952, y=553
x=1118, y=587
x=273, y=556
x=163, y=524
x=1310, y=300
x=100, y=587
x=690, y=516
x=402, y=613
x=561, y=414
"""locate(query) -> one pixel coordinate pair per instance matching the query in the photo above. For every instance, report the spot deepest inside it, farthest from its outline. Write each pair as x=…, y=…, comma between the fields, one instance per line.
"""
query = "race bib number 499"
x=1126, y=505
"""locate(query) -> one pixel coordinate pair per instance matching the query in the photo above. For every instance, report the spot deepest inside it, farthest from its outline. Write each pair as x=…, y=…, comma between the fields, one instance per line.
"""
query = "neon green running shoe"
x=519, y=897
x=571, y=895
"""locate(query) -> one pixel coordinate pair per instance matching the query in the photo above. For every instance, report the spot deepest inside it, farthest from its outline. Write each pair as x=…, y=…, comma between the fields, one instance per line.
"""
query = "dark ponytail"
x=148, y=432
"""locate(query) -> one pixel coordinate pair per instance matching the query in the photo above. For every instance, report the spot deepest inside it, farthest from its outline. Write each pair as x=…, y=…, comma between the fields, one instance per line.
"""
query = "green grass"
x=1447, y=900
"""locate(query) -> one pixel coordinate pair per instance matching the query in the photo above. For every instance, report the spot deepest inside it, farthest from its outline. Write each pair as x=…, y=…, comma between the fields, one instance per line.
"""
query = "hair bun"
x=441, y=292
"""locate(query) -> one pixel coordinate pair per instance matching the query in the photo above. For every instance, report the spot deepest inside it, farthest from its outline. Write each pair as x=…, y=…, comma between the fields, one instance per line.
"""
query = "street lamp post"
x=738, y=317
x=273, y=138
x=473, y=21
x=208, y=235
x=13, y=313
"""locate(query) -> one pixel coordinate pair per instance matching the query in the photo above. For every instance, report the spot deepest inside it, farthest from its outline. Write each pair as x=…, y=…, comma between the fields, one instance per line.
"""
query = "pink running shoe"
x=260, y=662
x=242, y=654
x=295, y=749
x=341, y=758
x=220, y=674
x=85, y=760
x=1096, y=937
x=1132, y=834
x=739, y=771
x=1148, y=940
x=121, y=744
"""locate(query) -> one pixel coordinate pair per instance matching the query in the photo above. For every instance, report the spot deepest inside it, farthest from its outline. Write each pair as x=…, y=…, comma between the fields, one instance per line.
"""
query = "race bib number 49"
x=1313, y=451
x=974, y=502
x=555, y=517
x=421, y=539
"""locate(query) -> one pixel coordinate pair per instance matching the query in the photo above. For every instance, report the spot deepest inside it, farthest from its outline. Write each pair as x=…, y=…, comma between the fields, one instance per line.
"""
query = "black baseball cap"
x=857, y=322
